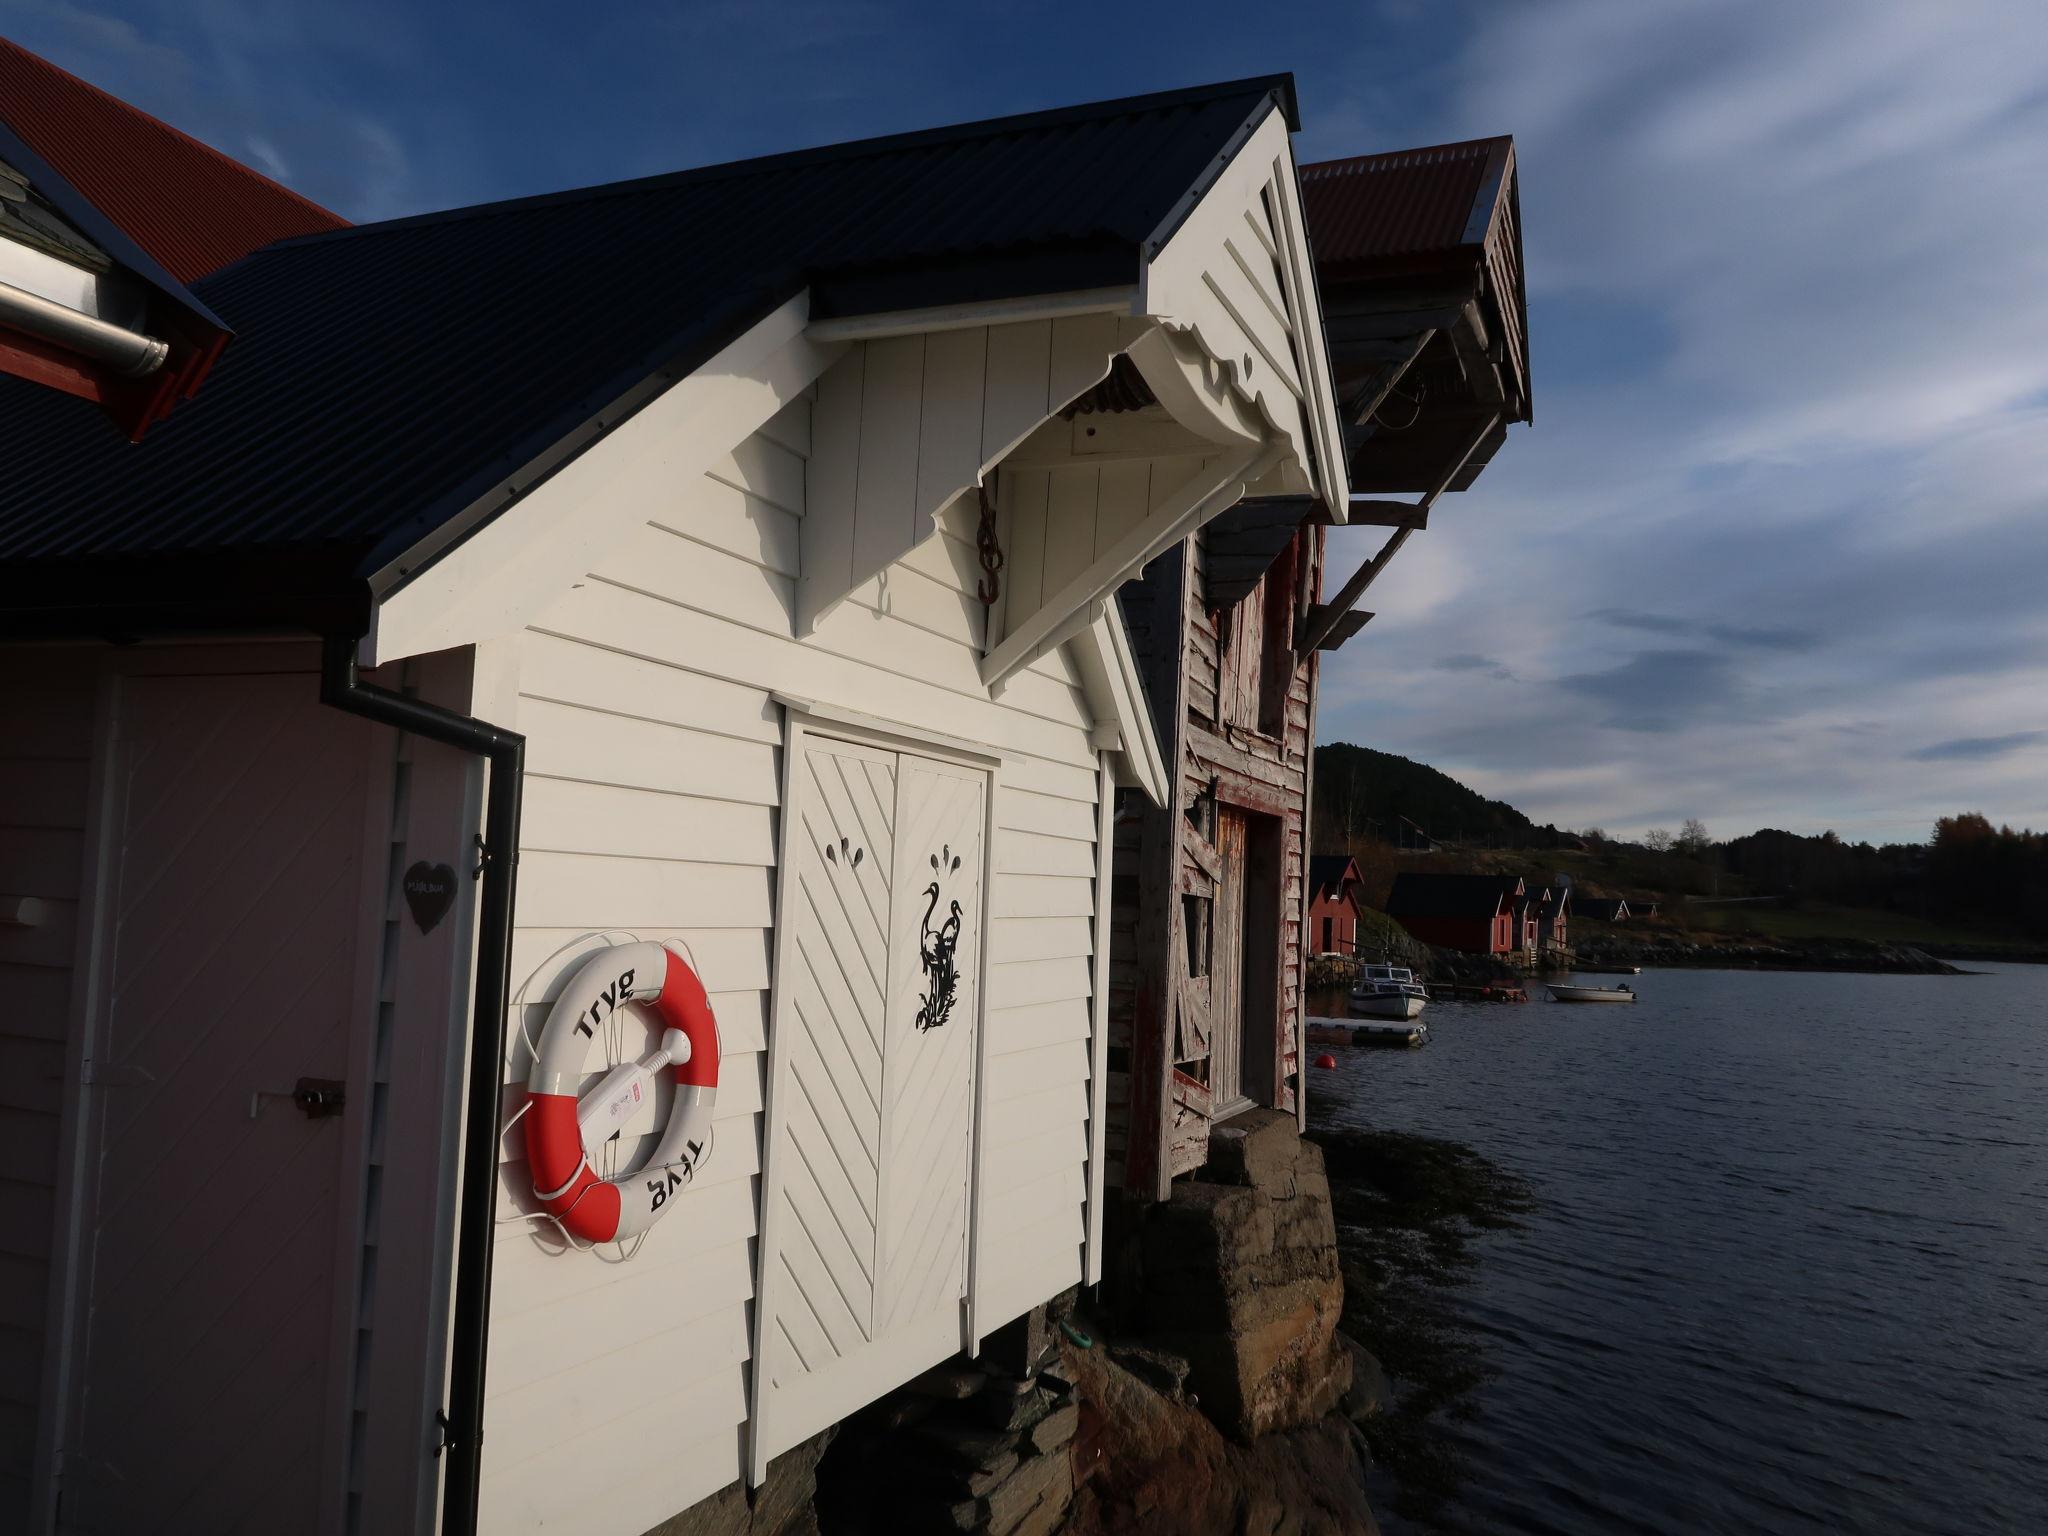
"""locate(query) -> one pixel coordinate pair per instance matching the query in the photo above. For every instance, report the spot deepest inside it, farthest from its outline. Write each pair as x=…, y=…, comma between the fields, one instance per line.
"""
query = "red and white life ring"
x=601, y=1210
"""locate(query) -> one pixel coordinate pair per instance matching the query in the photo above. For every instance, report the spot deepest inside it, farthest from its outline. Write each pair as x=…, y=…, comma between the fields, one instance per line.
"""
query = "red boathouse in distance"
x=1474, y=913
x=1333, y=882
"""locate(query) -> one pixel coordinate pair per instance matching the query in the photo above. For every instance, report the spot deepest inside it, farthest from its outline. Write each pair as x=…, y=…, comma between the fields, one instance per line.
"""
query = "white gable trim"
x=1116, y=697
x=1215, y=280
x=500, y=578
x=1121, y=300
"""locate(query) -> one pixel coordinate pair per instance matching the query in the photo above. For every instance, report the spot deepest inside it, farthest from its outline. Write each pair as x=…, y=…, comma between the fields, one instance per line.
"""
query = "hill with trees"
x=1362, y=794
x=1970, y=881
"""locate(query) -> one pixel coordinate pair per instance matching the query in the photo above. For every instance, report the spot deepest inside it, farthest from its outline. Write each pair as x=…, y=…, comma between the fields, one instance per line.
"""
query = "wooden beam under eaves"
x=1346, y=626
x=1321, y=621
x=1386, y=514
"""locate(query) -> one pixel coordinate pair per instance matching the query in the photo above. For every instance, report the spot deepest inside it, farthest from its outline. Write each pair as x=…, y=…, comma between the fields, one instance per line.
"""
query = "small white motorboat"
x=1388, y=992
x=1621, y=994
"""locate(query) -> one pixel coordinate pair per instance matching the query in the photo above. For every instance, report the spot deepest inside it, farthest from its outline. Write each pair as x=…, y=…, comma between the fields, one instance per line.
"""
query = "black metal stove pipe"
x=341, y=687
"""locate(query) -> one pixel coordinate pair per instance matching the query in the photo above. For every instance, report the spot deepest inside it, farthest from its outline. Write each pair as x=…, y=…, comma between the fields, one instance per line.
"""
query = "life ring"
x=601, y=1210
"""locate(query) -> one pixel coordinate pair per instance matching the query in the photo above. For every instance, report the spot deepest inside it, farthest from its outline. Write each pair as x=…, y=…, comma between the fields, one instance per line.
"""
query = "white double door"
x=870, y=1125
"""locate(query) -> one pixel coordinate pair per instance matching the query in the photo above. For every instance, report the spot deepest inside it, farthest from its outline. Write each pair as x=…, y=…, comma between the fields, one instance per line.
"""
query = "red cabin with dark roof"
x=1333, y=880
x=1473, y=913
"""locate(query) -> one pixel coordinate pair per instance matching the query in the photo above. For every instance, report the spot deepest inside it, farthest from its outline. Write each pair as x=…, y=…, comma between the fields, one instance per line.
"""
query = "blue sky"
x=1776, y=551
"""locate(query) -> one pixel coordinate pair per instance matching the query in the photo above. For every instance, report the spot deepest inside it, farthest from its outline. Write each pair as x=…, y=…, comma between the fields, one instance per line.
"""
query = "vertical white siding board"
x=1027, y=494
x=1098, y=1045
x=831, y=480
x=1081, y=349
x=773, y=1111
x=885, y=497
x=1017, y=397
x=949, y=436
x=1072, y=501
x=1123, y=499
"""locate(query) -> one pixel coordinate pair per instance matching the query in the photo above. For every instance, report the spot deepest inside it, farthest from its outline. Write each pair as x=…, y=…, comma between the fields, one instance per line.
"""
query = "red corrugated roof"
x=1408, y=203
x=188, y=206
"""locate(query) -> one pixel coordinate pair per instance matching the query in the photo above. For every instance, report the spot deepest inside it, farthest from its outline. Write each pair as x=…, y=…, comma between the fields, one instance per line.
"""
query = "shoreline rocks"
x=1858, y=955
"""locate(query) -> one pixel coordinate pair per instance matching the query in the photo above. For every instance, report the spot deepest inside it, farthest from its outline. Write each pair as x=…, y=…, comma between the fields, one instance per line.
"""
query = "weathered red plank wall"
x=1238, y=711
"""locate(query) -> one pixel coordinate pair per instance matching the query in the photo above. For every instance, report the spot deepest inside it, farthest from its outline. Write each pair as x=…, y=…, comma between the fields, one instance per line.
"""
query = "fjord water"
x=1788, y=1269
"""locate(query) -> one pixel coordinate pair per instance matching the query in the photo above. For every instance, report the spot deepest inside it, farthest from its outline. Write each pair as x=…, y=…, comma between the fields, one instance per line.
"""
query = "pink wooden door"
x=212, y=1262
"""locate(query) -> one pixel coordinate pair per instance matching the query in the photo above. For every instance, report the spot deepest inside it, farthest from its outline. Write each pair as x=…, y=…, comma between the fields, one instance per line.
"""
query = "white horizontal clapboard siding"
x=46, y=703
x=654, y=747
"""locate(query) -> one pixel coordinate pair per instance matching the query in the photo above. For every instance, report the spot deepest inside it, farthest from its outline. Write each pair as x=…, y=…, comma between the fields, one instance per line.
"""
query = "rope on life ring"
x=600, y=1210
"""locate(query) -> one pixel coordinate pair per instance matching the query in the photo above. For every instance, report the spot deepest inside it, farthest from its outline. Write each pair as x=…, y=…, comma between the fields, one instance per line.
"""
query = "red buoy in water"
x=1326, y=1060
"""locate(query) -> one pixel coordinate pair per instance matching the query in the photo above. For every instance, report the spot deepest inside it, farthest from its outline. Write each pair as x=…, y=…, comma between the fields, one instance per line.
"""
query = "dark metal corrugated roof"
x=1326, y=873
x=1418, y=894
x=388, y=378
x=1407, y=203
x=190, y=207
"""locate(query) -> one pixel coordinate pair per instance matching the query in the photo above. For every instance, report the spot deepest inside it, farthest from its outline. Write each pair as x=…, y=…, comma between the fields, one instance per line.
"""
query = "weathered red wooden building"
x=1478, y=914
x=1333, y=882
x=1419, y=261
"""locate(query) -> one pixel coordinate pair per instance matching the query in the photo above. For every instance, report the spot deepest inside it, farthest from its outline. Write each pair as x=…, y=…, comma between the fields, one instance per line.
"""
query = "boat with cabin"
x=1388, y=992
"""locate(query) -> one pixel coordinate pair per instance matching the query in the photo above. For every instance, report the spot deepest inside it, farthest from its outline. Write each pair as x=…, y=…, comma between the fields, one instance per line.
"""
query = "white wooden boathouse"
x=696, y=484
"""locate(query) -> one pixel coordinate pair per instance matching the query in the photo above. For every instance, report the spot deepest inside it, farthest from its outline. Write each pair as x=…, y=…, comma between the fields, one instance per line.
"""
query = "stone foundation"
x=1214, y=1399
x=970, y=1446
x=1151, y=1462
x=1237, y=1274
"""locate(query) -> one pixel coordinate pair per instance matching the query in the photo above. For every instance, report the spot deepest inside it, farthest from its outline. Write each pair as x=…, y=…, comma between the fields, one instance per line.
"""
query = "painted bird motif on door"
x=935, y=947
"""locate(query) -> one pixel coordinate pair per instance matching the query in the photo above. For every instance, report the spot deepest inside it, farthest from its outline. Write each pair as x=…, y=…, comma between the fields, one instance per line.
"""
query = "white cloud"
x=1818, y=449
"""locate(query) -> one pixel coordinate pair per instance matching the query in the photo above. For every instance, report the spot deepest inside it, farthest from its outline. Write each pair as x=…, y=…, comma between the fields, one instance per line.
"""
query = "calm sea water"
x=1789, y=1269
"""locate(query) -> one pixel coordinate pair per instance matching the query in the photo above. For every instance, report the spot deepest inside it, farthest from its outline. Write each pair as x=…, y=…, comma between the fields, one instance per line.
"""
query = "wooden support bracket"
x=1347, y=625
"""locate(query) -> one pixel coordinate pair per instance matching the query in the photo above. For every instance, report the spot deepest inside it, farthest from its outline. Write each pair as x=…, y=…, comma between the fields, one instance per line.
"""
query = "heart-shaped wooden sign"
x=430, y=892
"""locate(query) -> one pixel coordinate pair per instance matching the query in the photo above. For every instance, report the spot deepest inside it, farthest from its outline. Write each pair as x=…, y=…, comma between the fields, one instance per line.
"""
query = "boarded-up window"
x=1254, y=641
x=1275, y=596
x=1240, y=637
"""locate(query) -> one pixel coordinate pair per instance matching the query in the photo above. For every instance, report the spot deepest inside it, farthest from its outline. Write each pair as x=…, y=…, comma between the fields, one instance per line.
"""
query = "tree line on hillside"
x=1969, y=873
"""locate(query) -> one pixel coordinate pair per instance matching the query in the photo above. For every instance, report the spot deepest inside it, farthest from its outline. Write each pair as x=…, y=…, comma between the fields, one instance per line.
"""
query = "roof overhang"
x=506, y=569
x=68, y=355
x=1116, y=697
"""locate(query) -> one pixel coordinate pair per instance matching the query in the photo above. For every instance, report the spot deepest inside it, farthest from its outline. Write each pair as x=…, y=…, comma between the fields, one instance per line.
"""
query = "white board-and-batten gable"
x=915, y=411
x=1223, y=329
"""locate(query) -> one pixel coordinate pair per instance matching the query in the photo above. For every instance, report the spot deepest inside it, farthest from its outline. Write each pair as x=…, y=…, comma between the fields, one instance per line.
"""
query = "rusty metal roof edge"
x=1500, y=170
x=118, y=244
x=1396, y=159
